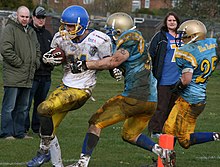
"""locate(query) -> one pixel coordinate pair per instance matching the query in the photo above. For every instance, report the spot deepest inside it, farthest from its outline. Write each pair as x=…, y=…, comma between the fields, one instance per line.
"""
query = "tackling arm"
x=118, y=58
x=107, y=63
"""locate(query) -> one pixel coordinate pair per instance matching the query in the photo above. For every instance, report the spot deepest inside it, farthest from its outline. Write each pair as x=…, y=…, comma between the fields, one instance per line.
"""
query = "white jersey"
x=94, y=46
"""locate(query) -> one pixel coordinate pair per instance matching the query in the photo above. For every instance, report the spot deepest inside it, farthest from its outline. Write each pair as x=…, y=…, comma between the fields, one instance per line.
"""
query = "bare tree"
x=206, y=11
x=104, y=7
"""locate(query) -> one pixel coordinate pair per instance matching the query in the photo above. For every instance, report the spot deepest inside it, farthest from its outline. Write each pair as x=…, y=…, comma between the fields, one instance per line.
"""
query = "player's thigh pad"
x=63, y=99
x=118, y=109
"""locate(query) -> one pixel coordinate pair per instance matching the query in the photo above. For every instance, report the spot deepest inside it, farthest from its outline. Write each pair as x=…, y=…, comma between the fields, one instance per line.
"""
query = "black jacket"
x=157, y=51
x=44, y=38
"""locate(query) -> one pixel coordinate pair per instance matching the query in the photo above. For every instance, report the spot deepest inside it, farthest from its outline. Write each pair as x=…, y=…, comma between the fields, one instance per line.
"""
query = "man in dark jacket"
x=42, y=77
x=21, y=57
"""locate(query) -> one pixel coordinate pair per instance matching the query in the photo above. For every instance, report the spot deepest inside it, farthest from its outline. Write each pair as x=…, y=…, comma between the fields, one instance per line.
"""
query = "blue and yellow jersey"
x=201, y=58
x=139, y=81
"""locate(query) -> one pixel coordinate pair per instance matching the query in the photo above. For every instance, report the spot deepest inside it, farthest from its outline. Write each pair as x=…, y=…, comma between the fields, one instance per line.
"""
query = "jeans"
x=39, y=91
x=14, y=105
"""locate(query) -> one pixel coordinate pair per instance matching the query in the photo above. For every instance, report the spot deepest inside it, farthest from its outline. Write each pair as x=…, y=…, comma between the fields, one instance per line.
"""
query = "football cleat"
x=39, y=160
x=82, y=162
x=168, y=158
x=216, y=136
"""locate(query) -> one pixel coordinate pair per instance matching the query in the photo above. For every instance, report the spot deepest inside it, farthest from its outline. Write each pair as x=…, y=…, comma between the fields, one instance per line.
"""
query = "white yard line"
x=208, y=157
x=24, y=163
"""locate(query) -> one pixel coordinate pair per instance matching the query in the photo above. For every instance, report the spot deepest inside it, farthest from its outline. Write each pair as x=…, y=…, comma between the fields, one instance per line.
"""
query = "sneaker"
x=168, y=158
x=39, y=160
x=10, y=138
x=27, y=137
x=82, y=162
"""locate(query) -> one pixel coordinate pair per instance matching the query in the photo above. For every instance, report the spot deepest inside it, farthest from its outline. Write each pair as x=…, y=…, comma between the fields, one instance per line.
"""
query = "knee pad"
x=128, y=138
x=184, y=141
x=44, y=109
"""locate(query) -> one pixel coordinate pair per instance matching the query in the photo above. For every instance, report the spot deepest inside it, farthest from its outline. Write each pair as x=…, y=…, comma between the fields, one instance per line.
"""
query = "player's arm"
x=184, y=81
x=111, y=62
x=106, y=63
x=186, y=77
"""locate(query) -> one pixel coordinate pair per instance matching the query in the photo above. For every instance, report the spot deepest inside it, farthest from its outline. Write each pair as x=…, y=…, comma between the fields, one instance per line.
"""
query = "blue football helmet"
x=76, y=16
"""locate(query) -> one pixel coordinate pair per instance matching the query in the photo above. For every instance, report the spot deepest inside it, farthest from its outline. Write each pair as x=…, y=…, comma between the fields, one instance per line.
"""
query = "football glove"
x=179, y=87
x=78, y=66
x=117, y=74
x=50, y=58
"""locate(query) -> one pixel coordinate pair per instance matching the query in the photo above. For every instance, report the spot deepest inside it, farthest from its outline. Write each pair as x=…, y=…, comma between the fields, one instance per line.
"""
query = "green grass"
x=111, y=151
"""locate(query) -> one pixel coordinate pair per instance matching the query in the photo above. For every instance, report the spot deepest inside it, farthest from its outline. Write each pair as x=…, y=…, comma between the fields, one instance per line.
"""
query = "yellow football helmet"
x=117, y=23
x=191, y=31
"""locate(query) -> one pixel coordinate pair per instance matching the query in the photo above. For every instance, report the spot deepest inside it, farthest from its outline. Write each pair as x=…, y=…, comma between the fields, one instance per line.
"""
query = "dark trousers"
x=166, y=101
x=40, y=88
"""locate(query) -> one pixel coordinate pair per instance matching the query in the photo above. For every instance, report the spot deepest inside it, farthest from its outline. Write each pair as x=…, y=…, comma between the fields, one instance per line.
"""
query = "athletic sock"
x=201, y=137
x=145, y=142
x=55, y=153
x=89, y=143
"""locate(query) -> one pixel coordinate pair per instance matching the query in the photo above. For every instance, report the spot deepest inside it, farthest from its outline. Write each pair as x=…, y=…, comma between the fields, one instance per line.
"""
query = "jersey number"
x=206, y=67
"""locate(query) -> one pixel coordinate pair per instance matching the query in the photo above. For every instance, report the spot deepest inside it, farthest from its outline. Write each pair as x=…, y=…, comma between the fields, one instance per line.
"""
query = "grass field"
x=111, y=150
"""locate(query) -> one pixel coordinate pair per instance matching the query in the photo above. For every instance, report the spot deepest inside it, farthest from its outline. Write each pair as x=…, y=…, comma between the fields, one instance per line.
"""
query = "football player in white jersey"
x=79, y=43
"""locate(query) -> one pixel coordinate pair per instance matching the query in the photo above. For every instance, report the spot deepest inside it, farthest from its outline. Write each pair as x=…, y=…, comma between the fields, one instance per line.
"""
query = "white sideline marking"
x=74, y=160
x=24, y=163
x=208, y=158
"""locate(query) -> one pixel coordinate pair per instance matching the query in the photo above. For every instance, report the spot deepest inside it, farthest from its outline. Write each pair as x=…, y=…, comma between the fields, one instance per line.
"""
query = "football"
x=58, y=52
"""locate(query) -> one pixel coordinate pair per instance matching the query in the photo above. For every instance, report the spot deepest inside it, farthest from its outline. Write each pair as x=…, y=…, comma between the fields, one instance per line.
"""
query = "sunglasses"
x=40, y=17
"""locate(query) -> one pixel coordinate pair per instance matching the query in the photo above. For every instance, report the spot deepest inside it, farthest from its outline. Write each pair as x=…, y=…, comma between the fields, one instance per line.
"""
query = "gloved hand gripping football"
x=54, y=57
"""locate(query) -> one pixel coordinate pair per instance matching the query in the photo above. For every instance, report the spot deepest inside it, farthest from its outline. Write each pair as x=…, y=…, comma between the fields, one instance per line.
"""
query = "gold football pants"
x=135, y=114
x=61, y=101
x=182, y=121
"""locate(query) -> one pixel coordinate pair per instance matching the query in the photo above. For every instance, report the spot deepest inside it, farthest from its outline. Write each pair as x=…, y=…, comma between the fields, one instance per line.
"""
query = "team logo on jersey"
x=73, y=48
x=92, y=40
x=93, y=51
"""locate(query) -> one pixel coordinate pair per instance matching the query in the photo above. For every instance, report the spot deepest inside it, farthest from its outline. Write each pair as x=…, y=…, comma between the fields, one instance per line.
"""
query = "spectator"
x=21, y=53
x=42, y=77
x=162, y=48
